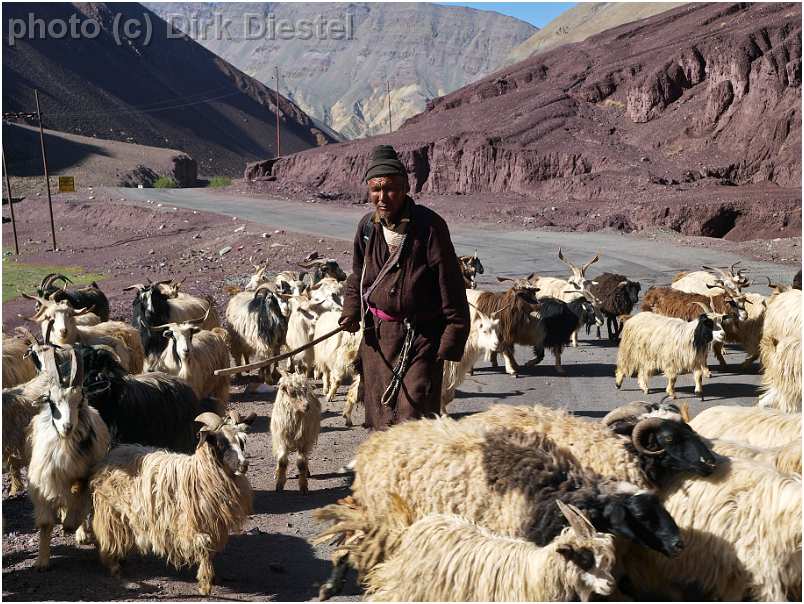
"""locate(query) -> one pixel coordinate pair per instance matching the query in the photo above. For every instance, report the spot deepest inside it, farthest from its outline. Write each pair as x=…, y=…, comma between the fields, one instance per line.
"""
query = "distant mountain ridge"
x=169, y=92
x=423, y=50
x=583, y=20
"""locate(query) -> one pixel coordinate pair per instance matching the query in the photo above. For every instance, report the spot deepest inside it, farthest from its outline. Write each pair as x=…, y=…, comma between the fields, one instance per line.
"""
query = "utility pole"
x=44, y=163
x=388, y=92
x=276, y=74
x=11, y=205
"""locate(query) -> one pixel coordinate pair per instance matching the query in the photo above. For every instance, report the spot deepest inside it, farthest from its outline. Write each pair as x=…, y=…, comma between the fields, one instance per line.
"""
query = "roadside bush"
x=219, y=181
x=165, y=182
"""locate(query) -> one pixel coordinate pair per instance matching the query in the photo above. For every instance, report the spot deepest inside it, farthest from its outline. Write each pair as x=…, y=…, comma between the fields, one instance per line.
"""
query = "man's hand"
x=349, y=324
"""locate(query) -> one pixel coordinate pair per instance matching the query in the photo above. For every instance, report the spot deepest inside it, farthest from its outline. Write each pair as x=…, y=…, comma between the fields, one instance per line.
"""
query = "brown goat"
x=682, y=305
x=516, y=308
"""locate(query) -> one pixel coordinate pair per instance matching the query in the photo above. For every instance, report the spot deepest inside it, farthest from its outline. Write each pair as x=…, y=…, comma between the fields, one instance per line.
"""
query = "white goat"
x=17, y=364
x=707, y=283
x=63, y=330
x=651, y=342
x=484, y=337
x=295, y=424
x=464, y=562
x=301, y=328
x=194, y=354
x=781, y=378
x=177, y=506
x=67, y=438
x=335, y=357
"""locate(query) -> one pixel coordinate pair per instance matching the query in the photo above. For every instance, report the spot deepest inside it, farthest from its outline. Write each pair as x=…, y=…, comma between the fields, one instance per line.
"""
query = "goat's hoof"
x=205, y=590
x=280, y=488
x=348, y=422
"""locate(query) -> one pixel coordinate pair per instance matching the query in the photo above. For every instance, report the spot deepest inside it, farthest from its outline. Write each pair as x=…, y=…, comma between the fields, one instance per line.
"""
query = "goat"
x=560, y=322
x=90, y=297
x=179, y=507
x=60, y=327
x=465, y=562
x=154, y=409
x=257, y=327
x=617, y=296
x=517, y=310
x=335, y=359
x=159, y=303
x=706, y=283
x=782, y=319
x=67, y=438
x=670, y=302
x=257, y=279
x=18, y=367
x=470, y=267
x=484, y=336
x=320, y=268
x=753, y=426
x=301, y=328
x=651, y=342
x=781, y=379
x=578, y=274
x=193, y=354
x=742, y=530
x=295, y=424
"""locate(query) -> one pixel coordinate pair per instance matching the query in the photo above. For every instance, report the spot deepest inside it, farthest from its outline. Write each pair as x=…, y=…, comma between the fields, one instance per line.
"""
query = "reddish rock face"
x=678, y=111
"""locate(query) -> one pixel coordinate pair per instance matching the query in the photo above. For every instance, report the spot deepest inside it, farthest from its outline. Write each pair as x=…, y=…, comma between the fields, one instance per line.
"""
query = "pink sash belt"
x=383, y=315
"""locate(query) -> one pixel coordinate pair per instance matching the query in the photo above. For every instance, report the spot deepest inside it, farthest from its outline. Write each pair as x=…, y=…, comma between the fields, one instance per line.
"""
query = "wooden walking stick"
x=279, y=357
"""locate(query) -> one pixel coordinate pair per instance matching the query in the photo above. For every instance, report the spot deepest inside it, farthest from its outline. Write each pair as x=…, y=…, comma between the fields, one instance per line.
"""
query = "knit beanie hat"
x=384, y=162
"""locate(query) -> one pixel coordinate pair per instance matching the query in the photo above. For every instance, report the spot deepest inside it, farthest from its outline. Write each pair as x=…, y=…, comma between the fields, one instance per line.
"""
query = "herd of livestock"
x=124, y=431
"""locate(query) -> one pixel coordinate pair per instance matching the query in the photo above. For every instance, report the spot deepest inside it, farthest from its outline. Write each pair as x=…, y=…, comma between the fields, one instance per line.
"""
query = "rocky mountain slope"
x=166, y=92
x=675, y=120
x=423, y=50
x=583, y=20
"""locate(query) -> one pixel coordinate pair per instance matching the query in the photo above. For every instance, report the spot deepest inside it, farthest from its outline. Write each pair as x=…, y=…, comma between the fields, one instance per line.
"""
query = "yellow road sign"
x=66, y=184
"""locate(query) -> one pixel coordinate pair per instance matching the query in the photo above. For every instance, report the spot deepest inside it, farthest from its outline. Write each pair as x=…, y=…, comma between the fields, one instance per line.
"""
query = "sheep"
x=617, y=295
x=742, y=326
x=177, y=506
x=781, y=379
x=335, y=357
x=502, y=477
x=742, y=530
x=257, y=327
x=706, y=283
x=786, y=459
x=193, y=354
x=295, y=424
x=651, y=342
x=67, y=438
x=517, y=310
x=60, y=327
x=484, y=336
x=753, y=426
x=157, y=304
x=464, y=562
x=90, y=297
x=154, y=409
x=17, y=365
x=470, y=267
x=301, y=328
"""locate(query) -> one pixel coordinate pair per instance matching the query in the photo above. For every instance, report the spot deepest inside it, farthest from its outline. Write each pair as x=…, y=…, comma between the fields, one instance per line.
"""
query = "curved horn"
x=722, y=273
x=38, y=299
x=499, y=310
x=26, y=335
x=204, y=318
x=631, y=410
x=643, y=427
x=137, y=286
x=48, y=357
x=76, y=369
x=564, y=260
x=212, y=421
x=706, y=308
x=578, y=522
x=502, y=279
x=590, y=263
x=48, y=329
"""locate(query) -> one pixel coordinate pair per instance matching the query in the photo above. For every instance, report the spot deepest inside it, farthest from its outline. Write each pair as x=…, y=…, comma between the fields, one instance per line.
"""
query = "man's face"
x=387, y=193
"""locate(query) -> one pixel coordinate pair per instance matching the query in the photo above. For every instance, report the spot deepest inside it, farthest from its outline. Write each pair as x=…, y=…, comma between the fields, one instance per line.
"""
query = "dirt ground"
x=271, y=558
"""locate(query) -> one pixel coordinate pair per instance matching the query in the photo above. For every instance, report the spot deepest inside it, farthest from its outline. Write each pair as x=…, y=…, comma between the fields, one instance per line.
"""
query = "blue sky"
x=535, y=13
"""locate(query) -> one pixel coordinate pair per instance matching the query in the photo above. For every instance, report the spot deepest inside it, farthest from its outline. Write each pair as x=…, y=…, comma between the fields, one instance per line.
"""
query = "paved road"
x=502, y=253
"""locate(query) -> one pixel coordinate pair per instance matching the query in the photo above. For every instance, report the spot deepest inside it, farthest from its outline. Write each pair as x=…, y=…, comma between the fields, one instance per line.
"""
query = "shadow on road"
x=290, y=500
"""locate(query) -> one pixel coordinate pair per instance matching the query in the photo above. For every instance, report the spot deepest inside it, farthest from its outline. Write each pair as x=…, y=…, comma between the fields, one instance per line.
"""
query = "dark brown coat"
x=425, y=287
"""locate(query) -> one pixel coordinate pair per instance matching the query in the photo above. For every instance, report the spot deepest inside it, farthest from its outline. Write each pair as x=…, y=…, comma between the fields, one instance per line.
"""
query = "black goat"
x=83, y=297
x=320, y=268
x=154, y=409
x=560, y=320
x=618, y=296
